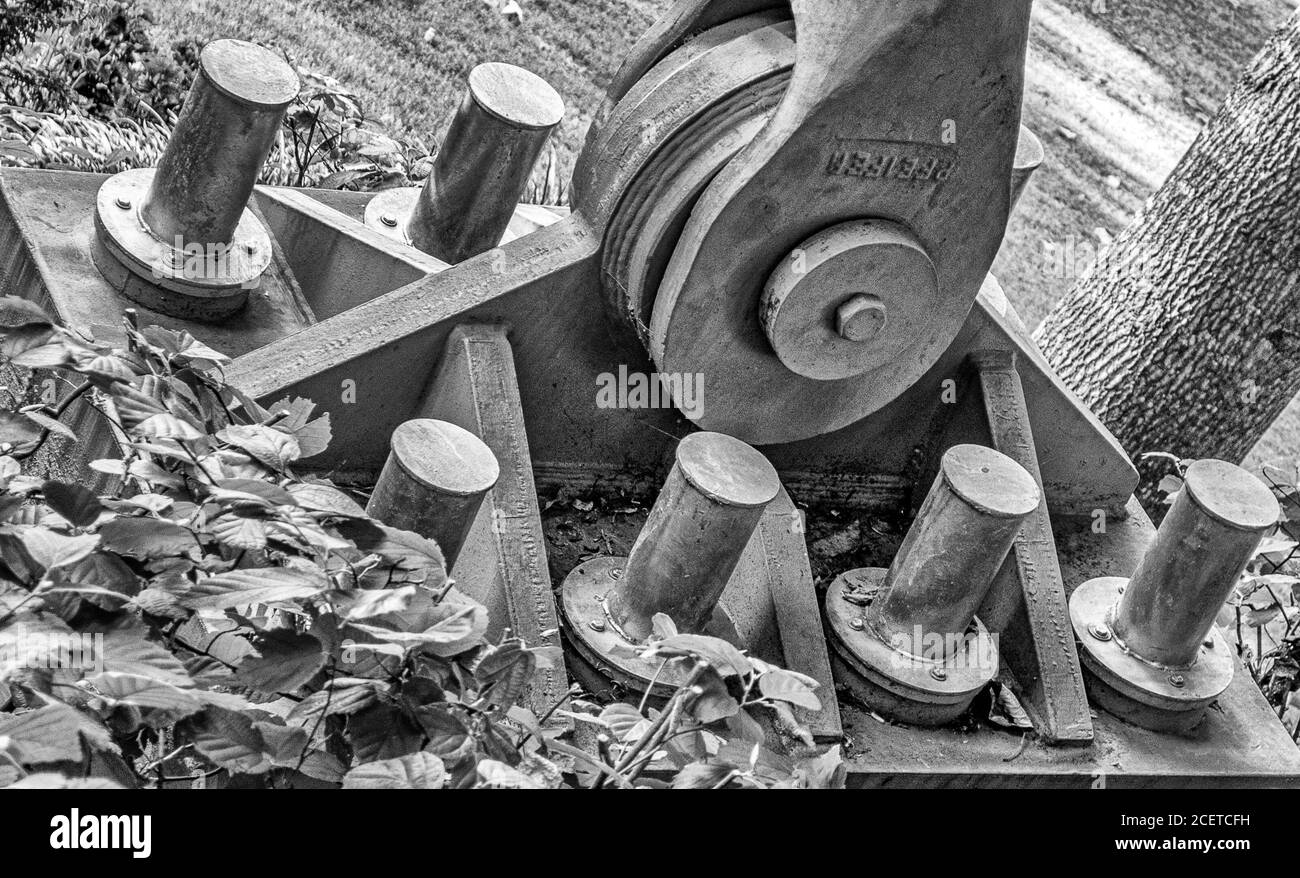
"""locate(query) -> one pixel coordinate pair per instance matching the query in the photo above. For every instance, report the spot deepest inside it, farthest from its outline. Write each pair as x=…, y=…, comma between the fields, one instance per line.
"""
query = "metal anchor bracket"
x=710, y=507
x=1150, y=647
x=918, y=652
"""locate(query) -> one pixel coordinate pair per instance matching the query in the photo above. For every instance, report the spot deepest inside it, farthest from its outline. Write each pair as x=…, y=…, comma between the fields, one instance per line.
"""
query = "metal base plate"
x=387, y=213
x=1136, y=690
x=895, y=683
x=597, y=640
x=194, y=280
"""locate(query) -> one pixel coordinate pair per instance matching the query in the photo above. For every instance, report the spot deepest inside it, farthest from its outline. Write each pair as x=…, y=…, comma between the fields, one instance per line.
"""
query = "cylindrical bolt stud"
x=1165, y=661
x=918, y=652
x=225, y=131
x=186, y=227
x=704, y=517
x=434, y=482
x=1029, y=156
x=481, y=169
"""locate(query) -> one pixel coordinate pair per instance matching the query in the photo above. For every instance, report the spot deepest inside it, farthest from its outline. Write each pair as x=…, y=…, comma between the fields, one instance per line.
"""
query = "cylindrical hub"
x=1204, y=543
x=704, y=517
x=434, y=482
x=484, y=163
x=947, y=562
x=225, y=131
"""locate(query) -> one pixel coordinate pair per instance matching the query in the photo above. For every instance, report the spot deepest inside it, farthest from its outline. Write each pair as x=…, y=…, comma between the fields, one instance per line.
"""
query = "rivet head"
x=1178, y=680
x=122, y=202
x=596, y=625
x=1099, y=631
x=857, y=624
x=939, y=674
x=389, y=220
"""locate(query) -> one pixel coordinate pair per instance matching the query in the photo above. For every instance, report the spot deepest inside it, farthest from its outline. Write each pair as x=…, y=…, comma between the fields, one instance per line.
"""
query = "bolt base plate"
x=196, y=281
x=897, y=684
x=396, y=205
x=1136, y=690
x=582, y=602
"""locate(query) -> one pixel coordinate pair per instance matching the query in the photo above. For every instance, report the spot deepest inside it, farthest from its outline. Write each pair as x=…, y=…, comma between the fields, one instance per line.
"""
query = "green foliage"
x=20, y=20
x=99, y=60
x=332, y=145
x=215, y=614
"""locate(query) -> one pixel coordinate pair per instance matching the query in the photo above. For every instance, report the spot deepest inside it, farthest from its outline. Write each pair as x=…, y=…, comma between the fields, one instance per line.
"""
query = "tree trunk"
x=1185, y=336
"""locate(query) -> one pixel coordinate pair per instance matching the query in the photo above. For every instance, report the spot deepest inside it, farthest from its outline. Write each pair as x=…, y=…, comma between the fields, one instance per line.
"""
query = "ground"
x=1117, y=89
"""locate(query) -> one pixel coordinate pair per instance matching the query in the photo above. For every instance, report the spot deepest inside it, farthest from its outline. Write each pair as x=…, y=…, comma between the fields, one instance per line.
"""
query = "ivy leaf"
x=265, y=444
x=620, y=719
x=107, y=572
x=380, y=732
x=239, y=532
x=254, y=489
x=19, y=431
x=79, y=505
x=419, y=771
x=257, y=586
x=146, y=538
x=166, y=425
x=44, y=356
x=285, y=661
x=16, y=311
x=456, y=631
x=341, y=695
x=54, y=425
x=52, y=550
x=127, y=651
x=47, y=734
x=104, y=367
x=144, y=692
x=134, y=405
x=722, y=655
x=314, y=437
x=507, y=669
x=449, y=737
x=407, y=551
x=230, y=739
x=789, y=686
x=320, y=497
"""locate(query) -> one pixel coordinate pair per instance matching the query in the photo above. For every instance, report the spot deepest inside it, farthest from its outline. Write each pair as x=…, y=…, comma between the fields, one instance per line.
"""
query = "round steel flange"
x=601, y=645
x=182, y=278
x=1158, y=697
x=897, y=683
x=389, y=211
x=850, y=299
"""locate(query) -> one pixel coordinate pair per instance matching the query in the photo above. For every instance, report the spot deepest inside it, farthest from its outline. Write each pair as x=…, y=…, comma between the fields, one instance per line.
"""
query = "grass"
x=1117, y=89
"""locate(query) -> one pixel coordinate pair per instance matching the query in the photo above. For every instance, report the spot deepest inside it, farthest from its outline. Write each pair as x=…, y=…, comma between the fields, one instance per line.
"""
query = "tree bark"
x=1185, y=336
